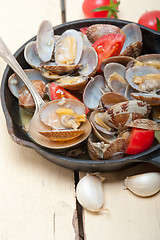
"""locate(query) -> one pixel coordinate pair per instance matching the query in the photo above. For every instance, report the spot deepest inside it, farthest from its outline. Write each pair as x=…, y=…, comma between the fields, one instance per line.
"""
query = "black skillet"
x=151, y=44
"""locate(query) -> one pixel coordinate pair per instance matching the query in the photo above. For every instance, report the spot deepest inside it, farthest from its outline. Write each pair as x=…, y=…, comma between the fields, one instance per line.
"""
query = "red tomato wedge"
x=140, y=140
x=108, y=45
x=58, y=92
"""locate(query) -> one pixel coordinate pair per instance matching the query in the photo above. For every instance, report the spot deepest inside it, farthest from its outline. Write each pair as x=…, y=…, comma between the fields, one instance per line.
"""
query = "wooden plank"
x=37, y=197
x=130, y=217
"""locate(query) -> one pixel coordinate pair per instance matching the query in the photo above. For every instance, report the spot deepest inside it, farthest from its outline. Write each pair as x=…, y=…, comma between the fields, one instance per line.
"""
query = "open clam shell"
x=49, y=117
x=96, y=31
x=15, y=83
x=45, y=41
x=100, y=150
x=150, y=60
x=31, y=56
x=133, y=43
x=89, y=61
x=68, y=49
x=141, y=71
x=92, y=92
x=114, y=74
x=123, y=113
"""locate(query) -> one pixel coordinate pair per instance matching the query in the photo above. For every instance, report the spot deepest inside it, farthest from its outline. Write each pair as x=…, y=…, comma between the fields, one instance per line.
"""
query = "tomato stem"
x=158, y=24
x=112, y=9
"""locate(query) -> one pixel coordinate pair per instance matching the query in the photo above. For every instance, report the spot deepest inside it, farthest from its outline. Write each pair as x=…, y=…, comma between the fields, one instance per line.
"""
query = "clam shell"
x=100, y=150
x=145, y=124
x=62, y=135
x=152, y=98
x=133, y=43
x=94, y=32
x=139, y=71
x=123, y=60
x=89, y=61
x=25, y=98
x=31, y=56
x=48, y=115
x=111, y=98
x=79, y=46
x=73, y=82
x=148, y=58
x=123, y=113
x=92, y=92
x=58, y=69
x=115, y=84
x=40, y=127
x=15, y=83
x=45, y=41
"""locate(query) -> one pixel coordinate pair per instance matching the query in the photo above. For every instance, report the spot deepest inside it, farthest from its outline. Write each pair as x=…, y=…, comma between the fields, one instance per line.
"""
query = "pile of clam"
x=125, y=94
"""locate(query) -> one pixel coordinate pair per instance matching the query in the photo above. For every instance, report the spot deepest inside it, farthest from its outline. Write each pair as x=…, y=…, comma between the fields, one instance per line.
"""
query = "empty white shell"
x=144, y=185
x=89, y=193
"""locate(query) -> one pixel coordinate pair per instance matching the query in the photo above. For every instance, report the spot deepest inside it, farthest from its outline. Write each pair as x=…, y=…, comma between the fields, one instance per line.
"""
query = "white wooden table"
x=37, y=197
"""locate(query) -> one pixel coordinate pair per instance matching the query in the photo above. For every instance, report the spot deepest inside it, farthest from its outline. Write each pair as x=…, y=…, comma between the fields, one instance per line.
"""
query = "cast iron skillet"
x=151, y=44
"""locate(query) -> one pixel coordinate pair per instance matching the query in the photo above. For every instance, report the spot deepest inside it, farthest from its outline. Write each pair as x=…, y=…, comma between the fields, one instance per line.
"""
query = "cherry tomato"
x=108, y=45
x=140, y=140
x=89, y=5
x=149, y=20
x=58, y=92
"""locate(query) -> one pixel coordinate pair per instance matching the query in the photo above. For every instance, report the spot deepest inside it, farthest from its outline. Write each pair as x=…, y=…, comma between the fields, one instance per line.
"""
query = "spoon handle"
x=12, y=62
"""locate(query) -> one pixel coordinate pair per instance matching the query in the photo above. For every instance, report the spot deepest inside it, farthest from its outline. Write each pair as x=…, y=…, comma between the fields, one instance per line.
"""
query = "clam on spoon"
x=36, y=125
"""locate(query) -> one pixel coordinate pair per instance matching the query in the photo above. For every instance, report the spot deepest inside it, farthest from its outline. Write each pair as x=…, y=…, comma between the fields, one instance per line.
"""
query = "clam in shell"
x=100, y=150
x=123, y=113
x=66, y=119
x=68, y=49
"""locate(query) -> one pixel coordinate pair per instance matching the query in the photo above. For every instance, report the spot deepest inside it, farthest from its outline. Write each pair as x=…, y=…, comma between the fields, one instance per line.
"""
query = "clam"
x=152, y=98
x=92, y=92
x=114, y=74
x=123, y=113
x=94, y=32
x=72, y=82
x=143, y=78
x=25, y=98
x=45, y=41
x=133, y=43
x=89, y=61
x=124, y=60
x=68, y=49
x=66, y=119
x=100, y=150
x=149, y=60
x=15, y=83
x=111, y=98
x=144, y=124
x=31, y=56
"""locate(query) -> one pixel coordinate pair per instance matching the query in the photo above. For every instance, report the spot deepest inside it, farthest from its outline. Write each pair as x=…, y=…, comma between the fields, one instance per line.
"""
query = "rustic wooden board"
x=37, y=198
x=130, y=217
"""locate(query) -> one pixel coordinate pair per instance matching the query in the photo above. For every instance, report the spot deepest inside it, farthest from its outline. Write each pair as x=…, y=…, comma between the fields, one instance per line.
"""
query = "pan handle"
x=153, y=158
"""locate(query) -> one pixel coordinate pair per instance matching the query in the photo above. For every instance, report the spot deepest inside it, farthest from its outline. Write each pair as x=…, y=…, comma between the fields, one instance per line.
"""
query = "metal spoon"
x=36, y=124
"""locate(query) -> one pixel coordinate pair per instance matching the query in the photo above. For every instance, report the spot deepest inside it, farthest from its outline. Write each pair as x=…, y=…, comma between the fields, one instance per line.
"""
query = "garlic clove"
x=143, y=185
x=89, y=193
